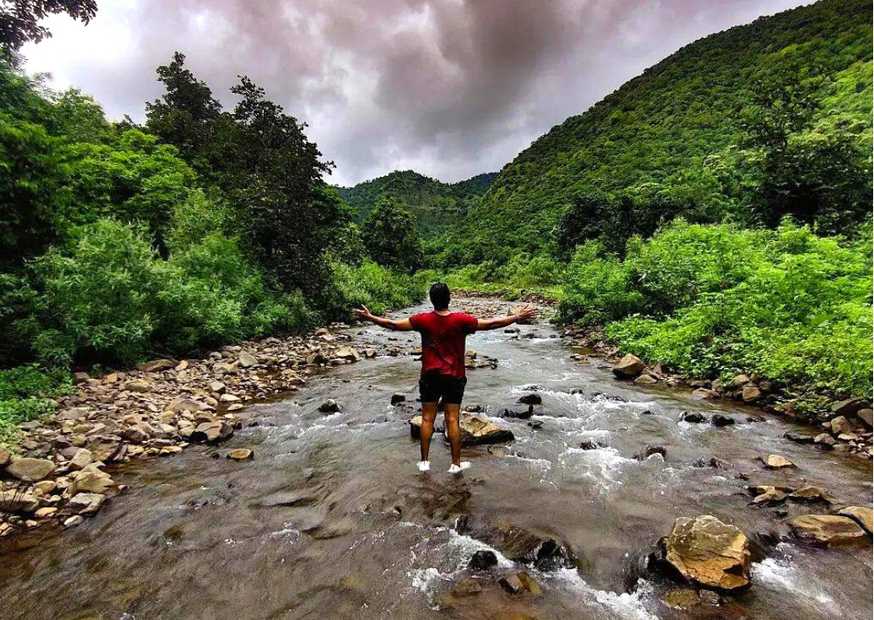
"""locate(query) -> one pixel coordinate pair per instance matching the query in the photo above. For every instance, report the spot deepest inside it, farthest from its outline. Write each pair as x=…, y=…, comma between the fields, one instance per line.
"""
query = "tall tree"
x=19, y=20
x=390, y=236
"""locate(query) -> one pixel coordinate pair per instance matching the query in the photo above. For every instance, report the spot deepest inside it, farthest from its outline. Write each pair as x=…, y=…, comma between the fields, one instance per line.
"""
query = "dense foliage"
x=201, y=228
x=19, y=19
x=435, y=205
x=786, y=304
x=680, y=133
x=390, y=236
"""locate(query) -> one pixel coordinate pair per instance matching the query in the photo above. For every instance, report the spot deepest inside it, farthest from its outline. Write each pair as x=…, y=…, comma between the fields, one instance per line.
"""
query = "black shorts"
x=433, y=386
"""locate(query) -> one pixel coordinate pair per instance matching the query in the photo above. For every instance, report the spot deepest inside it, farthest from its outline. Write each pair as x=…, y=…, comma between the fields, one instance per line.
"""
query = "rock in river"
x=30, y=470
x=240, y=454
x=530, y=399
x=329, y=406
x=826, y=529
x=692, y=417
x=628, y=367
x=775, y=461
x=478, y=430
x=859, y=514
x=483, y=560
x=721, y=420
x=16, y=501
x=708, y=552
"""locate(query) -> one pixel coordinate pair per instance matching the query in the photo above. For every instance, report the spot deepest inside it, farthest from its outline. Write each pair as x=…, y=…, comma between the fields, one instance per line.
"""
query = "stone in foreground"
x=483, y=559
x=30, y=470
x=15, y=501
x=708, y=552
x=826, y=529
x=859, y=514
x=775, y=461
x=476, y=430
x=628, y=367
x=240, y=454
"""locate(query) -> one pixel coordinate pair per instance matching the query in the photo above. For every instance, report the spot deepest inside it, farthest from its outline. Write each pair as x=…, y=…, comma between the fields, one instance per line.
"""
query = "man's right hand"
x=363, y=313
x=525, y=314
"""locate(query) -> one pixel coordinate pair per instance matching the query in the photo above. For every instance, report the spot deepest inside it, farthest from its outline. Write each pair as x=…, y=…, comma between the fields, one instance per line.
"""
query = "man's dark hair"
x=439, y=295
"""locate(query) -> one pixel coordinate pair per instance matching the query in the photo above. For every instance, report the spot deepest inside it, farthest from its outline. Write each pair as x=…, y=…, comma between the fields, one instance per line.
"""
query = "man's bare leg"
x=453, y=431
x=429, y=414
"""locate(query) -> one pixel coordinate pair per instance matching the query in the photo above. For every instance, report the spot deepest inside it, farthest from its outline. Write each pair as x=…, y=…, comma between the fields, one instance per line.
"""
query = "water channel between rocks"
x=332, y=520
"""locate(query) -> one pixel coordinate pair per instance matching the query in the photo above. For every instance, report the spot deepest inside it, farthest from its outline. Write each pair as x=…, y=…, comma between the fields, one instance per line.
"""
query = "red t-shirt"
x=443, y=340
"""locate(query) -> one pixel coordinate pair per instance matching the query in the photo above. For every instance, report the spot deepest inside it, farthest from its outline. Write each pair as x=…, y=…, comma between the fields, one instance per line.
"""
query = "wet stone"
x=483, y=559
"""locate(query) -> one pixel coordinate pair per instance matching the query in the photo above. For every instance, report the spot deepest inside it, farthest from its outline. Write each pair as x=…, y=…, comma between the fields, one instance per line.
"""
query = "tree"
x=816, y=174
x=390, y=236
x=186, y=115
x=19, y=19
x=613, y=221
x=263, y=163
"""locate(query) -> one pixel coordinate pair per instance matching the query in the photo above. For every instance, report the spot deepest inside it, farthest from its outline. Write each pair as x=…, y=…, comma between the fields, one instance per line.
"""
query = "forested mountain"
x=686, y=137
x=433, y=203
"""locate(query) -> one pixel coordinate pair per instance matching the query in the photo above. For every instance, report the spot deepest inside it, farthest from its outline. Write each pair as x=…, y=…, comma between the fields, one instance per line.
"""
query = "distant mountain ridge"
x=435, y=204
x=660, y=131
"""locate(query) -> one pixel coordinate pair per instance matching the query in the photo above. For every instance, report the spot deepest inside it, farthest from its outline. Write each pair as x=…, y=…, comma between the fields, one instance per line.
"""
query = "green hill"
x=674, y=130
x=434, y=204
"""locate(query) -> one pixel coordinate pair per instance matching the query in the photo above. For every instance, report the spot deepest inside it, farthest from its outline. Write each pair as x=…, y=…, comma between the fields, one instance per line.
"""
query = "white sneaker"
x=424, y=465
x=457, y=469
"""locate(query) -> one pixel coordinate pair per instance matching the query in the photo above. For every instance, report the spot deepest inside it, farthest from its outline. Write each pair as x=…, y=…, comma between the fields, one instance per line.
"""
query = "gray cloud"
x=450, y=88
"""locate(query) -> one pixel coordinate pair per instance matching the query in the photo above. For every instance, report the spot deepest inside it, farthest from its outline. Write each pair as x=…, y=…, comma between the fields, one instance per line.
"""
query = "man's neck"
x=443, y=312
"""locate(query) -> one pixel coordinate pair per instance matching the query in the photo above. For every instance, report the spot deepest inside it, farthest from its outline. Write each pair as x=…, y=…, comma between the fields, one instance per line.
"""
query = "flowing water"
x=332, y=520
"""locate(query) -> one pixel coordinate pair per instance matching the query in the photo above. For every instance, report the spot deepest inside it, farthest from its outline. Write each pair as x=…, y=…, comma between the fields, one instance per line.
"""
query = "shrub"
x=372, y=285
x=786, y=304
x=25, y=394
x=100, y=295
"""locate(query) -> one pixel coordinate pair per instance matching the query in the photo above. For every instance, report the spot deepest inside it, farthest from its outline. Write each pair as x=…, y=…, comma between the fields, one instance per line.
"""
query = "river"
x=332, y=520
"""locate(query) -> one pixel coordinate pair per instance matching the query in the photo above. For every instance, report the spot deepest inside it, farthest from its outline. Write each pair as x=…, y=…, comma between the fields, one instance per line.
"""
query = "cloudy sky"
x=449, y=88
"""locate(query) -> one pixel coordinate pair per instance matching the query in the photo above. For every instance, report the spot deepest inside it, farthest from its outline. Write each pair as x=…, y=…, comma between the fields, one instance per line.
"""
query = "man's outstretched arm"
x=522, y=314
x=400, y=325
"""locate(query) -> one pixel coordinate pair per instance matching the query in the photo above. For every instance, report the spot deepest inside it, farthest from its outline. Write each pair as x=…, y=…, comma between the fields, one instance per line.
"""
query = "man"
x=443, y=334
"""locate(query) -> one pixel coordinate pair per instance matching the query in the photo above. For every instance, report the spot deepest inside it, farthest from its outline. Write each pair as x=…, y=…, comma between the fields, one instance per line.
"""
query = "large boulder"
x=750, y=393
x=347, y=353
x=628, y=367
x=826, y=529
x=840, y=425
x=138, y=385
x=86, y=503
x=865, y=416
x=859, y=514
x=91, y=481
x=30, y=470
x=16, y=501
x=157, y=365
x=212, y=432
x=246, y=359
x=849, y=407
x=709, y=553
x=528, y=547
x=477, y=430
x=775, y=461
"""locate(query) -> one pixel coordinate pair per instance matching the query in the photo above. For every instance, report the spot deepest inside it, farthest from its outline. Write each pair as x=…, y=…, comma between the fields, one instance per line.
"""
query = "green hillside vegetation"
x=713, y=214
x=435, y=205
x=203, y=227
x=677, y=133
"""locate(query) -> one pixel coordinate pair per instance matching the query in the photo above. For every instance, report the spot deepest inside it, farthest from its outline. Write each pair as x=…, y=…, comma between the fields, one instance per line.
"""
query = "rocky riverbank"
x=63, y=469
x=841, y=425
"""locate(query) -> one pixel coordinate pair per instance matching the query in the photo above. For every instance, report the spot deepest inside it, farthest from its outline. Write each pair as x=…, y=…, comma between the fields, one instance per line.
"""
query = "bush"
x=25, y=394
x=100, y=295
x=708, y=301
x=597, y=288
x=211, y=294
x=372, y=285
